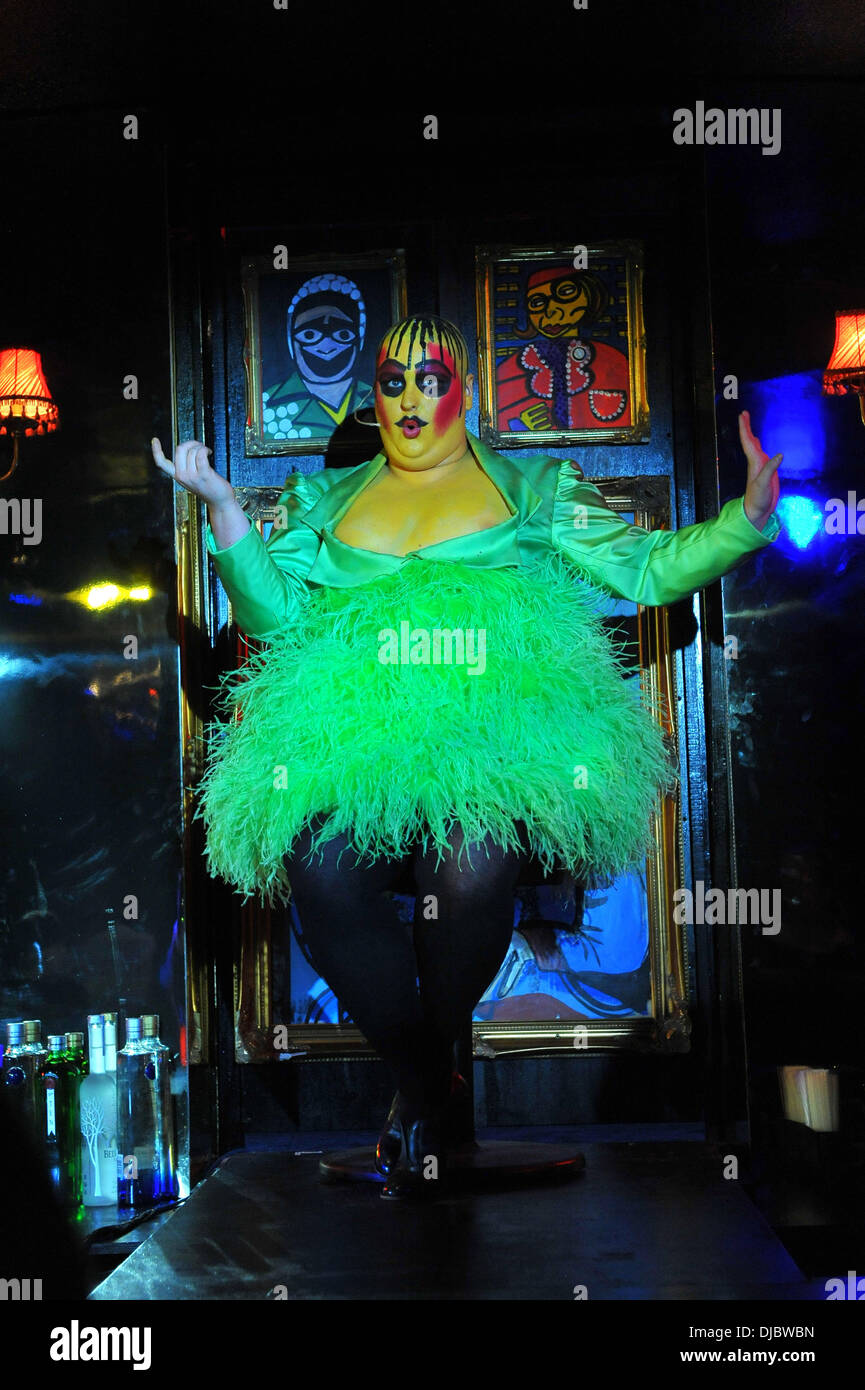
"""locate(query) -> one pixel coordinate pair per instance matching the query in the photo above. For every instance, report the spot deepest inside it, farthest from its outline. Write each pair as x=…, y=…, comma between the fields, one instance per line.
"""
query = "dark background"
x=251, y=121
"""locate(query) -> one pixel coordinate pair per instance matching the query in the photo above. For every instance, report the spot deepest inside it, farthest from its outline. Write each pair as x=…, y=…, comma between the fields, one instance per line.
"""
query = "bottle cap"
x=96, y=1043
x=75, y=1041
x=32, y=1030
x=110, y=1032
x=56, y=1042
x=150, y=1025
x=14, y=1034
x=133, y=1029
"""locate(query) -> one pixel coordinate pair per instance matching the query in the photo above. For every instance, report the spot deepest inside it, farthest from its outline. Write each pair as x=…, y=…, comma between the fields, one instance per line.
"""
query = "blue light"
x=30, y=599
x=801, y=518
x=789, y=415
x=12, y=667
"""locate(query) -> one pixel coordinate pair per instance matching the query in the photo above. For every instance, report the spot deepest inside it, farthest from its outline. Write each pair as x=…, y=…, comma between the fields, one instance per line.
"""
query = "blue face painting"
x=325, y=329
x=325, y=341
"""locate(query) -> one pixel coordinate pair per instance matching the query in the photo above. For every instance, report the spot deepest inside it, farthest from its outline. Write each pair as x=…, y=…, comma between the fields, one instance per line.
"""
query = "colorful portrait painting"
x=311, y=334
x=562, y=348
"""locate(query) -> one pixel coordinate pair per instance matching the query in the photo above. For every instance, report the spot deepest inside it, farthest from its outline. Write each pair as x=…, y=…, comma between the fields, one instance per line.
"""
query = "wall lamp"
x=26, y=405
x=846, y=369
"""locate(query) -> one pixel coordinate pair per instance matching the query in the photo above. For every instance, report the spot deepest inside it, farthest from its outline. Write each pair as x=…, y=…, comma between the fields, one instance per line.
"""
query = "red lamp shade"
x=26, y=406
x=846, y=369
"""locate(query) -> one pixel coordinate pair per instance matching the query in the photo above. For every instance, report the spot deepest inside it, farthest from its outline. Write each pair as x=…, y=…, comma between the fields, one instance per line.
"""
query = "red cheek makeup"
x=449, y=407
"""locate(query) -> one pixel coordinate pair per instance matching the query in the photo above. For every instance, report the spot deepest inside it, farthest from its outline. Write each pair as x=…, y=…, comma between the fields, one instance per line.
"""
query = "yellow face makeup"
x=422, y=393
x=556, y=307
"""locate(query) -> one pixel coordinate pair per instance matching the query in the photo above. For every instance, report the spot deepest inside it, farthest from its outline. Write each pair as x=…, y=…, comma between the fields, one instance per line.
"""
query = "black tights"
x=360, y=946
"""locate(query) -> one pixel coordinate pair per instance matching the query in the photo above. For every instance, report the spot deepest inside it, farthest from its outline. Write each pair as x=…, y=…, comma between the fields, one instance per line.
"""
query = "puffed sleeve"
x=649, y=567
x=265, y=580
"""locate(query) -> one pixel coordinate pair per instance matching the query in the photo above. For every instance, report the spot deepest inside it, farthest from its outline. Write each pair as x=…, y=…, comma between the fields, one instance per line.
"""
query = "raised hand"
x=762, y=488
x=191, y=470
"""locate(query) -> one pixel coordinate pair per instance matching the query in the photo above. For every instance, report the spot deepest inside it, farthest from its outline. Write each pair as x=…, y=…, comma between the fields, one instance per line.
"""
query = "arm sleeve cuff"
x=214, y=550
x=770, y=532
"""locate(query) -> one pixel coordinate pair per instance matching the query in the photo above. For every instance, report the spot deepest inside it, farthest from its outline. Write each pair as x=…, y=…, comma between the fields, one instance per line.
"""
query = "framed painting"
x=312, y=325
x=586, y=969
x=604, y=967
x=561, y=345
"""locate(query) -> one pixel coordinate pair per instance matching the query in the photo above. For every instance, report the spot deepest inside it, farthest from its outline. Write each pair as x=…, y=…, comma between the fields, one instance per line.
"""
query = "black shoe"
x=422, y=1166
x=391, y=1142
x=427, y=1149
x=458, y=1126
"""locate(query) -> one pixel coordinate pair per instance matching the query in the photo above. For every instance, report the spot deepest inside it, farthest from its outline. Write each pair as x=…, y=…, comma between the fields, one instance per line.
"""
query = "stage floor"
x=645, y=1221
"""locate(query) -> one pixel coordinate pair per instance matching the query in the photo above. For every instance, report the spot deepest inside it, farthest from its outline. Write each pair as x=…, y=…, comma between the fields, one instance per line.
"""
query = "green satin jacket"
x=552, y=508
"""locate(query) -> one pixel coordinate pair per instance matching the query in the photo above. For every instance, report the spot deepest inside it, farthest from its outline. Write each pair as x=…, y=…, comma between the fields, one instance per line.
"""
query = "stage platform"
x=650, y=1220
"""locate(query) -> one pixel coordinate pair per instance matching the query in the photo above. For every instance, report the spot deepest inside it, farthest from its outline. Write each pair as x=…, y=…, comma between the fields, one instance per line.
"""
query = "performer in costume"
x=438, y=692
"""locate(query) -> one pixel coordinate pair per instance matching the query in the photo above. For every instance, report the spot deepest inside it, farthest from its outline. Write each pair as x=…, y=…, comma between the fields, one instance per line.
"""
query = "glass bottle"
x=22, y=1058
x=75, y=1048
x=98, y=1122
x=134, y=1153
x=147, y=1175
x=12, y=1050
x=15, y=1071
x=50, y=1082
x=78, y=1059
x=160, y=1072
x=60, y=1080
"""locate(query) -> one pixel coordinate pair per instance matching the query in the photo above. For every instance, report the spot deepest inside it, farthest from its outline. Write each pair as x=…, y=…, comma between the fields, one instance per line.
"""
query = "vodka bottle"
x=60, y=1078
x=98, y=1122
x=22, y=1059
x=147, y=1170
x=134, y=1121
x=160, y=1071
x=109, y=1028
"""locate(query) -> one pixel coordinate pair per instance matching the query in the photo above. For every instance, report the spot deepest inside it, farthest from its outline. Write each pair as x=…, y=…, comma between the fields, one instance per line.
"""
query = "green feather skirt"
x=439, y=694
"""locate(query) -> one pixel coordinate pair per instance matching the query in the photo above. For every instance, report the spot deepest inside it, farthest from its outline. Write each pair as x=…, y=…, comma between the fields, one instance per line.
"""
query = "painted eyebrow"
x=429, y=363
x=323, y=311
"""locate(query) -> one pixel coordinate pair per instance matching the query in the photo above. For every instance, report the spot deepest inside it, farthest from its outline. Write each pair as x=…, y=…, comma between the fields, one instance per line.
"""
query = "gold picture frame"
x=277, y=290
x=544, y=380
